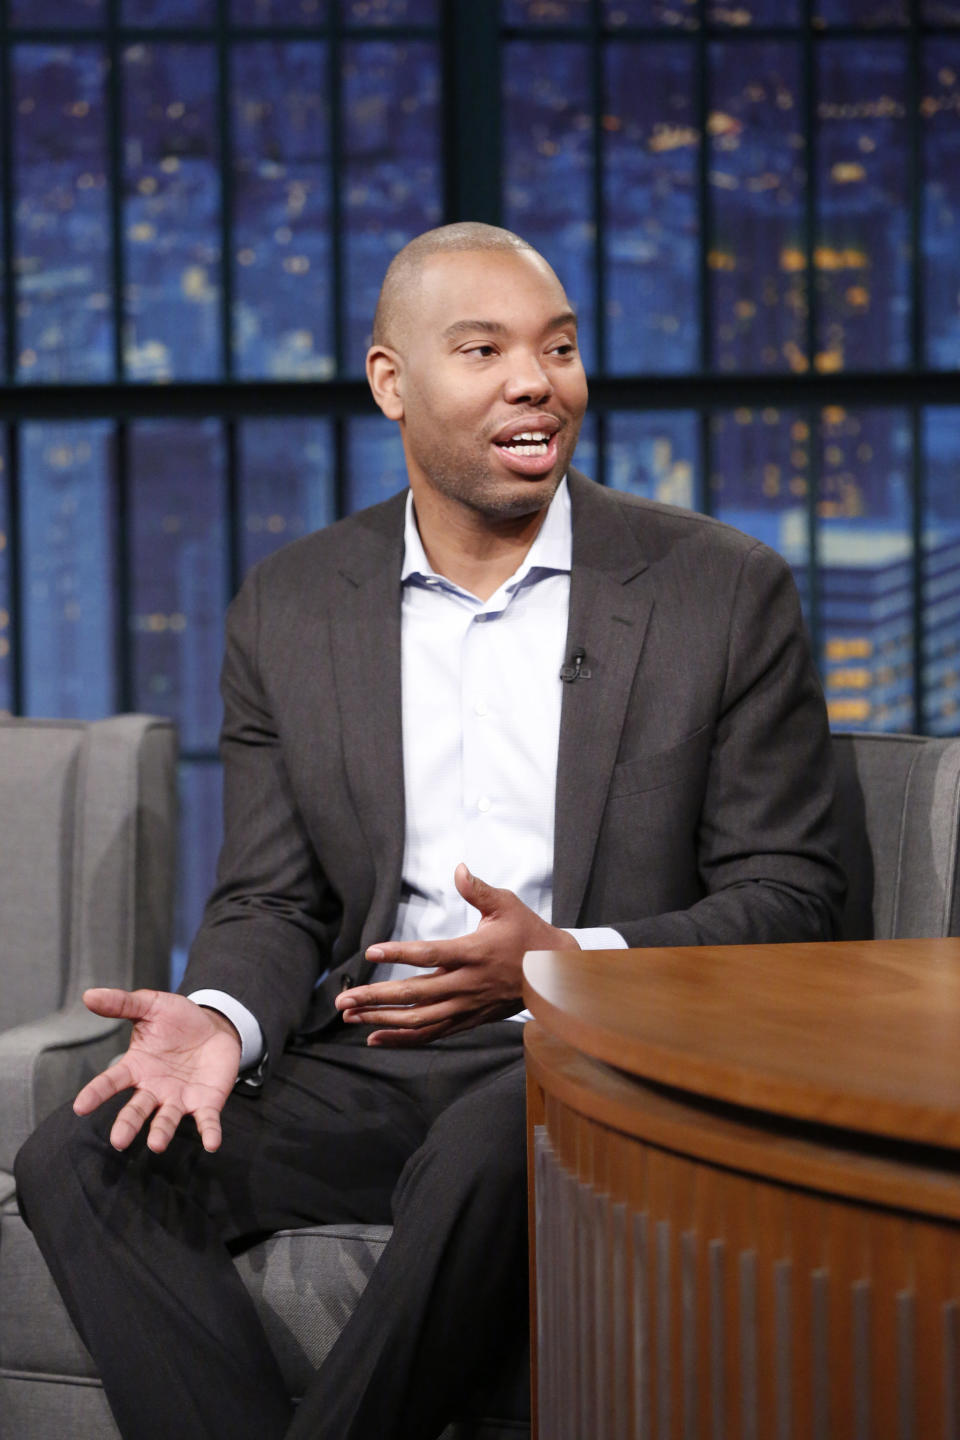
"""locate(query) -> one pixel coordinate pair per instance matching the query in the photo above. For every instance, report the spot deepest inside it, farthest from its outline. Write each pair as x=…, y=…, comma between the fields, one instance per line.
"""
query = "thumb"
x=476, y=892
x=118, y=1004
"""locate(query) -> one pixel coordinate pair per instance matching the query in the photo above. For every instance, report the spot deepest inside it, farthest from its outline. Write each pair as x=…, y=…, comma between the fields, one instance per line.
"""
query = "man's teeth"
x=529, y=442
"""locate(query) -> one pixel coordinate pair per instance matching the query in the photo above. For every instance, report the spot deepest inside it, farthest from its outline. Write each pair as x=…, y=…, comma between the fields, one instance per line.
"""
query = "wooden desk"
x=745, y=1206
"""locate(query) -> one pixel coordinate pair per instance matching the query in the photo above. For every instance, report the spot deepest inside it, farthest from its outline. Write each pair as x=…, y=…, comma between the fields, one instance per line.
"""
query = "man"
x=605, y=707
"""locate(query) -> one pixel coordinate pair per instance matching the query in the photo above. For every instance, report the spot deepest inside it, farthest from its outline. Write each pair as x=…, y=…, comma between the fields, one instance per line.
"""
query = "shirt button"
x=483, y=804
x=480, y=708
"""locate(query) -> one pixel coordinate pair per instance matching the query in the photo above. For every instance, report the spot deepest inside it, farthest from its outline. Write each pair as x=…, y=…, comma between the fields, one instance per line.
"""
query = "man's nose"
x=528, y=381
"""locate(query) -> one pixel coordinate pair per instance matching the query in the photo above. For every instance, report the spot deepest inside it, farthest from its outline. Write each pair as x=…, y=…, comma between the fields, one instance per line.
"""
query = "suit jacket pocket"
x=684, y=761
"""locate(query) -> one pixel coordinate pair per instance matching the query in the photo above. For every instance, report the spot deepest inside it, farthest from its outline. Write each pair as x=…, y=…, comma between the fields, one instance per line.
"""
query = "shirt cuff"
x=598, y=937
x=247, y=1025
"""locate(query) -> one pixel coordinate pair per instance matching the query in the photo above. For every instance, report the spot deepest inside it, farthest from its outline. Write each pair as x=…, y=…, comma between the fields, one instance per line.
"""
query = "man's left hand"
x=476, y=977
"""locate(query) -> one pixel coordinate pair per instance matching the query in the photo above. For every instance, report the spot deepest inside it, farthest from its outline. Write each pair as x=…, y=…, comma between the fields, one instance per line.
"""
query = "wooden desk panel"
x=709, y=1268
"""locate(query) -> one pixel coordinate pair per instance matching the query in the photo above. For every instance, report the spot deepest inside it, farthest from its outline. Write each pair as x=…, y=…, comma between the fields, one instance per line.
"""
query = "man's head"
x=474, y=345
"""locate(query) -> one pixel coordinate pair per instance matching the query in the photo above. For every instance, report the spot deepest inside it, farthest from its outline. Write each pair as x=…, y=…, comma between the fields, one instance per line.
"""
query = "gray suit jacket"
x=694, y=779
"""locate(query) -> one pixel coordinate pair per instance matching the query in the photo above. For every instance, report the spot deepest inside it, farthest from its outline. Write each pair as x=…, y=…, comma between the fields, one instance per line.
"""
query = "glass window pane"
x=739, y=14
x=757, y=257
x=865, y=550
x=69, y=582
x=546, y=12
x=760, y=478
x=201, y=832
x=585, y=455
x=863, y=242
x=940, y=12
x=283, y=320
x=940, y=112
x=376, y=468
x=861, y=12
x=392, y=176
x=941, y=571
x=168, y=12
x=278, y=12
x=172, y=213
x=548, y=165
x=40, y=13
x=655, y=454
x=286, y=483
x=675, y=14
x=178, y=570
x=390, y=12
x=6, y=598
x=62, y=222
x=650, y=196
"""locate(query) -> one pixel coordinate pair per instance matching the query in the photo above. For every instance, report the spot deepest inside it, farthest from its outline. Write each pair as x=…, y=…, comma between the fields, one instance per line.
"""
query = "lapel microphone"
x=574, y=670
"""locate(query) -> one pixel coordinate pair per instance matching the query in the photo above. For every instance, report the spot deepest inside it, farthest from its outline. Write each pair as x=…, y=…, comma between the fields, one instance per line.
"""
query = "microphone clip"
x=574, y=669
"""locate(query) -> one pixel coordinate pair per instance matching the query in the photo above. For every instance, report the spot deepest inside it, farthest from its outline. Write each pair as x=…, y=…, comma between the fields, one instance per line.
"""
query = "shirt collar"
x=551, y=551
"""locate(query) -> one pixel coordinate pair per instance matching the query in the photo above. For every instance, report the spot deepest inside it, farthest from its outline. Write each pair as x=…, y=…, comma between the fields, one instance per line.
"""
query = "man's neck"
x=472, y=551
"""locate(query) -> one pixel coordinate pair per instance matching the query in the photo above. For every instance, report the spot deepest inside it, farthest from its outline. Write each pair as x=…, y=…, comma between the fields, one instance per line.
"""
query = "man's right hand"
x=182, y=1060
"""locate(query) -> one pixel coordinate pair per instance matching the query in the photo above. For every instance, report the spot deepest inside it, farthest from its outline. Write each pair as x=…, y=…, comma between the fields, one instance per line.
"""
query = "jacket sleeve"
x=269, y=925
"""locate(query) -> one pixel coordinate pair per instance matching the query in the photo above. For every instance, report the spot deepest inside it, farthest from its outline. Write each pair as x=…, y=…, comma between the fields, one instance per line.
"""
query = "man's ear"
x=384, y=371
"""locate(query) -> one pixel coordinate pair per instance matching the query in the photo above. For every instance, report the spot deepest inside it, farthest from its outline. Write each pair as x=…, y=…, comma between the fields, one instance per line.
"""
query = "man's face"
x=490, y=381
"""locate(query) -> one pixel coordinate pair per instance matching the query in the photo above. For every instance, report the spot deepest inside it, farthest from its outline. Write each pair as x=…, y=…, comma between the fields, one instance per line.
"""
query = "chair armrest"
x=46, y=1062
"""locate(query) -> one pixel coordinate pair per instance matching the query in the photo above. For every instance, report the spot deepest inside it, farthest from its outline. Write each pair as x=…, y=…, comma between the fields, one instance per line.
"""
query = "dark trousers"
x=140, y=1245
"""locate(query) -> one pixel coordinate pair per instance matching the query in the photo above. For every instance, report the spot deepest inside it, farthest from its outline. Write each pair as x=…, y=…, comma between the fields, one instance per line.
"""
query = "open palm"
x=182, y=1060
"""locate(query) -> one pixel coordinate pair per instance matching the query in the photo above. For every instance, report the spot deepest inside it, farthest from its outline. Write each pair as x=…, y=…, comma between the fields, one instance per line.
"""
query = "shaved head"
x=402, y=279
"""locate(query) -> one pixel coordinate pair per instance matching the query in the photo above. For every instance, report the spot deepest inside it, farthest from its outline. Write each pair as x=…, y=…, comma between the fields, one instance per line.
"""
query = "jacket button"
x=345, y=984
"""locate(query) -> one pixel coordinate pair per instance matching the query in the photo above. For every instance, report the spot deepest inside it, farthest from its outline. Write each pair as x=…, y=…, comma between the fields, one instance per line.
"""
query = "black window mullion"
x=703, y=498
x=116, y=173
x=702, y=43
x=810, y=219
x=814, y=578
x=917, y=352
x=917, y=521
x=598, y=88
x=8, y=196
x=15, y=570
x=335, y=91
x=123, y=629
x=472, y=106
x=225, y=117
x=233, y=455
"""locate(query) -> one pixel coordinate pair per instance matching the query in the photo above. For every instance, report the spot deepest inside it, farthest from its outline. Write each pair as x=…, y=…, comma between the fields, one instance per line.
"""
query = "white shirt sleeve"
x=598, y=937
x=247, y=1025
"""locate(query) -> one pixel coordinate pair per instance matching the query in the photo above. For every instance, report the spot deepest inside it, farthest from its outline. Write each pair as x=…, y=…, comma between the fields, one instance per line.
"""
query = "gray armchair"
x=899, y=805
x=87, y=820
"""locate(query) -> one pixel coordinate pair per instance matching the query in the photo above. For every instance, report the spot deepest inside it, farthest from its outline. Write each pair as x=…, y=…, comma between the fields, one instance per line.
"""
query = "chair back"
x=898, y=807
x=87, y=818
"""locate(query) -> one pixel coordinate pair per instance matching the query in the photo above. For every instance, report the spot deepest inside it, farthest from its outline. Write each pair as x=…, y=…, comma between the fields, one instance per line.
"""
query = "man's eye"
x=564, y=348
x=482, y=350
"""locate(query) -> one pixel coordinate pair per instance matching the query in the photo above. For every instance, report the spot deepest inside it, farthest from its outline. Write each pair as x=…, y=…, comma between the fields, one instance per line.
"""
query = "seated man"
x=509, y=710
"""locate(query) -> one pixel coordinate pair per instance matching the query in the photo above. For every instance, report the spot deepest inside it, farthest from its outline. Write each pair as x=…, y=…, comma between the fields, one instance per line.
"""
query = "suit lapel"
x=609, y=612
x=365, y=635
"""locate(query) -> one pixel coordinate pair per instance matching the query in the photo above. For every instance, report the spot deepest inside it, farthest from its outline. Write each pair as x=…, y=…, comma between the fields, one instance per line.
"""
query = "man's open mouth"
x=528, y=442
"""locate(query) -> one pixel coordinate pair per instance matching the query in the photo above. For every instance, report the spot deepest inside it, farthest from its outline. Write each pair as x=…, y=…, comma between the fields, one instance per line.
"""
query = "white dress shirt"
x=481, y=726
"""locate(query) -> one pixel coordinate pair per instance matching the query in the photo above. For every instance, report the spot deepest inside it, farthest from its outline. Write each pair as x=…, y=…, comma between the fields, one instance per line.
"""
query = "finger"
x=409, y=952
x=132, y=1119
x=102, y=1087
x=400, y=992
x=483, y=897
x=119, y=1004
x=163, y=1127
x=411, y=1018
x=408, y=1039
x=207, y=1121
